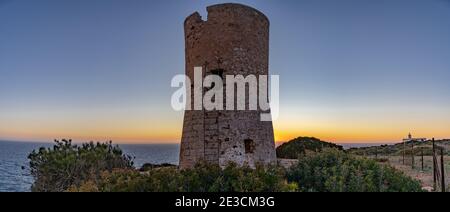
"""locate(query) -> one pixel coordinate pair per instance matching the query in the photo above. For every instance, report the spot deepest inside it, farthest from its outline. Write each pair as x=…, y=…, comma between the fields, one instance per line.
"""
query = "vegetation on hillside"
x=104, y=168
x=301, y=146
x=150, y=166
x=400, y=148
x=58, y=168
x=336, y=171
x=203, y=178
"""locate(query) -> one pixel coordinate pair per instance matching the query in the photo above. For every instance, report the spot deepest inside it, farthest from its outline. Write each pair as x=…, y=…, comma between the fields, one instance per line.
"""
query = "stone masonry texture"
x=234, y=40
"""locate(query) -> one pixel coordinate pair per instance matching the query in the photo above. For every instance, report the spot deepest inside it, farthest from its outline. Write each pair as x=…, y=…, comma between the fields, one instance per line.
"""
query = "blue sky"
x=351, y=70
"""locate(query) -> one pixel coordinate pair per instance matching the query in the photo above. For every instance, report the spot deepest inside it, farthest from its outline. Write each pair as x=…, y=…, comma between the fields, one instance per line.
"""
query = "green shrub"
x=302, y=145
x=336, y=171
x=381, y=160
x=202, y=178
x=150, y=166
x=57, y=169
x=103, y=168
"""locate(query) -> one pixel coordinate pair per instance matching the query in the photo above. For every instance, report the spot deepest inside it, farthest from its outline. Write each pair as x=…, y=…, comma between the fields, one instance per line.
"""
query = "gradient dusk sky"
x=350, y=70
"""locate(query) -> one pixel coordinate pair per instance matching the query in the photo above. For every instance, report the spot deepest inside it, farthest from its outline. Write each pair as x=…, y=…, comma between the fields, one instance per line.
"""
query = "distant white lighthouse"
x=410, y=138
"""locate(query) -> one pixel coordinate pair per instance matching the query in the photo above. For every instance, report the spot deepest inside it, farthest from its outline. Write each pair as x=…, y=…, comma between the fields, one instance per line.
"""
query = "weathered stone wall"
x=235, y=39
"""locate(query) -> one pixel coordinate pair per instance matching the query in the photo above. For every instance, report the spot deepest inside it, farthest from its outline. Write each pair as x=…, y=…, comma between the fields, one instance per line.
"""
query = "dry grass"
x=425, y=175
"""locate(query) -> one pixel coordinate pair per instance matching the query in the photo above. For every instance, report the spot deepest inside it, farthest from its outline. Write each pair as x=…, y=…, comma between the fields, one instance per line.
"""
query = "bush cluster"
x=300, y=146
x=336, y=171
x=202, y=178
x=57, y=169
x=104, y=168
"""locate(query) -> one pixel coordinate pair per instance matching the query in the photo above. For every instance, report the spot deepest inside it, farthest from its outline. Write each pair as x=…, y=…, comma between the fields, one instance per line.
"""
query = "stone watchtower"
x=233, y=41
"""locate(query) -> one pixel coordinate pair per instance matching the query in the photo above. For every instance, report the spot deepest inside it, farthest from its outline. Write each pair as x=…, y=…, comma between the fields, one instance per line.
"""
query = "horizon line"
x=80, y=141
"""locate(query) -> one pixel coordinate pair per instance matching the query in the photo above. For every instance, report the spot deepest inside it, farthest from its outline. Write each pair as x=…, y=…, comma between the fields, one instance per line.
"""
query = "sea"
x=14, y=164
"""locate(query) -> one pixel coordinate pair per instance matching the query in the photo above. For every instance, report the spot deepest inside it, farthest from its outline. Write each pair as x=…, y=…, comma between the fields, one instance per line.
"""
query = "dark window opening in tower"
x=218, y=72
x=249, y=146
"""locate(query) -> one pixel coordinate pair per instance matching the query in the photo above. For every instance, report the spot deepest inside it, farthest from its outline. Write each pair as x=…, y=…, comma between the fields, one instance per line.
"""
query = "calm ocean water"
x=15, y=173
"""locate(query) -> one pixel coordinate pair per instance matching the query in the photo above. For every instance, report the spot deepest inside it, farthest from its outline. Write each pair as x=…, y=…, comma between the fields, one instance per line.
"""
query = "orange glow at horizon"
x=166, y=127
x=172, y=135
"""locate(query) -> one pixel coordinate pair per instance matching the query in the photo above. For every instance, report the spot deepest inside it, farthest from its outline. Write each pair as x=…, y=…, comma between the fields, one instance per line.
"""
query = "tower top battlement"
x=229, y=10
